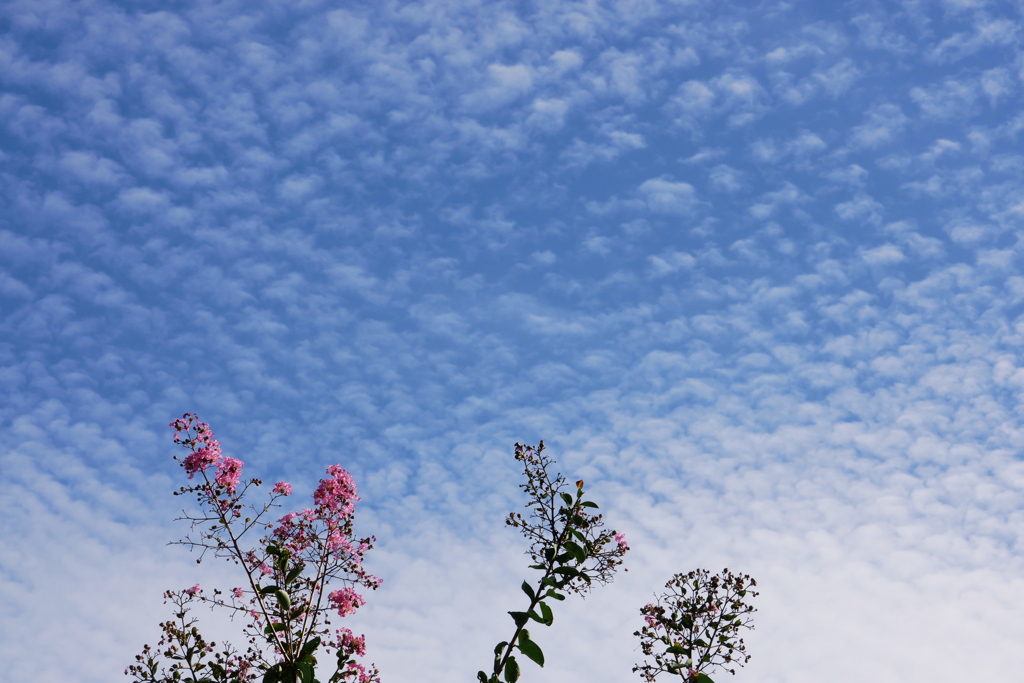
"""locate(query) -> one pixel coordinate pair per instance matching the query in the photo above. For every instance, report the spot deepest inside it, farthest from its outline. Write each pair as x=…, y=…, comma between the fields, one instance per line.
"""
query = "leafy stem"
x=568, y=543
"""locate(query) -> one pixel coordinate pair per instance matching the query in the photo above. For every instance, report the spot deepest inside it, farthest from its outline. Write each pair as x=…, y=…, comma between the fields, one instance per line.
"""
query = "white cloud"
x=663, y=195
x=951, y=100
x=882, y=125
x=986, y=32
x=884, y=255
x=725, y=178
x=405, y=237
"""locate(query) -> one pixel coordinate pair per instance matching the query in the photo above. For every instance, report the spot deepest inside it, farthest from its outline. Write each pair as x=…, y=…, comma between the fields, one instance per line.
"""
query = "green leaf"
x=520, y=618
x=546, y=616
x=271, y=628
x=528, y=589
x=553, y=594
x=293, y=574
x=703, y=678
x=677, y=650
x=499, y=647
x=283, y=599
x=588, y=504
x=305, y=672
x=577, y=552
x=511, y=670
x=687, y=621
x=309, y=648
x=567, y=498
x=530, y=648
x=568, y=571
x=267, y=590
x=273, y=674
x=481, y=676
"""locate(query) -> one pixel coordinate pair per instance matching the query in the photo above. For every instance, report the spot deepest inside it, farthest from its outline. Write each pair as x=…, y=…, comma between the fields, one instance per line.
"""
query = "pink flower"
x=337, y=494
x=237, y=592
x=346, y=601
x=229, y=473
x=283, y=488
x=200, y=460
x=621, y=540
x=348, y=643
x=193, y=590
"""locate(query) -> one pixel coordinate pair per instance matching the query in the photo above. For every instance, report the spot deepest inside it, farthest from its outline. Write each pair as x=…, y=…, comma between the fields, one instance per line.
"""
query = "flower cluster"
x=229, y=474
x=346, y=601
x=347, y=642
x=337, y=493
x=289, y=574
x=693, y=627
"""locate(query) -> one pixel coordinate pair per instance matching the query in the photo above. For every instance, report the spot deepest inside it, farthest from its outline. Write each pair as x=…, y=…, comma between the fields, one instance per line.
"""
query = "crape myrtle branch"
x=568, y=545
x=220, y=495
x=184, y=645
x=289, y=574
x=694, y=626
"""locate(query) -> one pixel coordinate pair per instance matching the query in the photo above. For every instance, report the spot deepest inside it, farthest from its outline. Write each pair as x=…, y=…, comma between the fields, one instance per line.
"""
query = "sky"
x=750, y=269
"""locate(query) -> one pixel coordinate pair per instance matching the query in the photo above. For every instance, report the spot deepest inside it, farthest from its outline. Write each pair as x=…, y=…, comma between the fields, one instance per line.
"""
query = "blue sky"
x=753, y=270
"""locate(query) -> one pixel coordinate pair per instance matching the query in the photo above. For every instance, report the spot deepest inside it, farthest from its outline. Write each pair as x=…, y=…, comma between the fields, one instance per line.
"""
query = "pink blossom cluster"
x=337, y=494
x=321, y=537
x=345, y=641
x=621, y=540
x=229, y=474
x=346, y=601
x=191, y=433
x=293, y=530
x=199, y=460
x=255, y=563
x=361, y=674
x=328, y=527
x=649, y=611
x=240, y=666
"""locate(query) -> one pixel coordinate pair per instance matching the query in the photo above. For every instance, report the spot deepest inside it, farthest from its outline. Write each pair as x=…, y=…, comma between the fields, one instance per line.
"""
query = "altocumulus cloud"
x=752, y=272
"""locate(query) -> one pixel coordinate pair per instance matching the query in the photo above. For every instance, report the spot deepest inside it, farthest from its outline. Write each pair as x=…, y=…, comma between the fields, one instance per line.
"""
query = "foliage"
x=287, y=597
x=568, y=545
x=693, y=627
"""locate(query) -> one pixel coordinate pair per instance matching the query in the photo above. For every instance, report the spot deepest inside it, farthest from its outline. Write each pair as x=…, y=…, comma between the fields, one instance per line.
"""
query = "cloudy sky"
x=751, y=269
